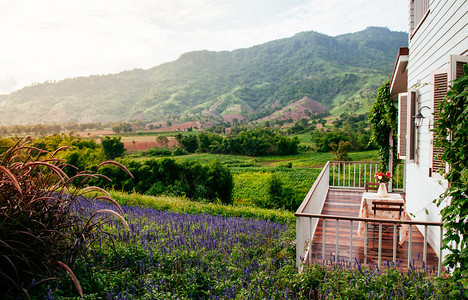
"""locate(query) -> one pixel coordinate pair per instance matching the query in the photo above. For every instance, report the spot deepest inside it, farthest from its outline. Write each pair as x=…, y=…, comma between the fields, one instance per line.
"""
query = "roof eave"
x=398, y=83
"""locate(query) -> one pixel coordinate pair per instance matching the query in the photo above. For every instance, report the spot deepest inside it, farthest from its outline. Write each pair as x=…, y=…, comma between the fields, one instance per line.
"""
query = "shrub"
x=113, y=147
x=212, y=182
x=156, y=151
x=39, y=234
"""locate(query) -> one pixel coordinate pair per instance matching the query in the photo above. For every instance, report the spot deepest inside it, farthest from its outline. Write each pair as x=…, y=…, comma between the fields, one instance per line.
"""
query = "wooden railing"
x=313, y=204
x=316, y=217
x=354, y=174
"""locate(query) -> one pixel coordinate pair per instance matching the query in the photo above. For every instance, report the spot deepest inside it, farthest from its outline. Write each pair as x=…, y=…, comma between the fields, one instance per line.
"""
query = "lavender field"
x=166, y=255
x=171, y=255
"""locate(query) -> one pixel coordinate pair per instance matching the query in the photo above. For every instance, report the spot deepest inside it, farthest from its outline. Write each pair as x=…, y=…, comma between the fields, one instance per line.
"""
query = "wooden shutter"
x=456, y=63
x=440, y=90
x=411, y=129
x=402, y=124
x=459, y=69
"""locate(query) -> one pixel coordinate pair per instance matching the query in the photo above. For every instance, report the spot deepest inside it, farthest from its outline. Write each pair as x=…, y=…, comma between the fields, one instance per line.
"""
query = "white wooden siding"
x=444, y=32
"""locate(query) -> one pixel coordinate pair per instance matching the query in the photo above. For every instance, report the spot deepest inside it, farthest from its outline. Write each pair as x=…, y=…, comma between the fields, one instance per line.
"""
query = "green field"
x=251, y=174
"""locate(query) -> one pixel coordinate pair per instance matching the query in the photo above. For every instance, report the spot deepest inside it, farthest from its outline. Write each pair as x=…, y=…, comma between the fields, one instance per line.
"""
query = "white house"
x=438, y=48
x=326, y=220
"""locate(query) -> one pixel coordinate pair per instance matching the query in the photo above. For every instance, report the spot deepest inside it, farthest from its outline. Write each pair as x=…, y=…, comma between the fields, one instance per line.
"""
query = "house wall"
x=443, y=32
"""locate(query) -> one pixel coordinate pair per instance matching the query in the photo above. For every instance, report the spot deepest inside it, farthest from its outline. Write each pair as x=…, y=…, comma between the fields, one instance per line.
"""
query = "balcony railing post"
x=349, y=174
x=323, y=240
x=351, y=243
x=380, y=246
x=365, y=173
x=311, y=237
x=440, y=251
x=360, y=175
x=339, y=172
x=333, y=174
x=410, y=245
x=425, y=246
x=336, y=241
x=395, y=242
x=354, y=175
x=365, y=244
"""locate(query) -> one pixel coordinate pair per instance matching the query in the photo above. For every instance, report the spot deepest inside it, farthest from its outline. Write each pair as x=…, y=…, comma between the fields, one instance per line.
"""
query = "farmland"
x=181, y=248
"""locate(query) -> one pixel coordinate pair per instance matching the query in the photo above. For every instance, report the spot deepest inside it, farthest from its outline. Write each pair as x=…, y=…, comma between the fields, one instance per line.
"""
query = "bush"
x=113, y=147
x=39, y=233
x=156, y=151
x=212, y=182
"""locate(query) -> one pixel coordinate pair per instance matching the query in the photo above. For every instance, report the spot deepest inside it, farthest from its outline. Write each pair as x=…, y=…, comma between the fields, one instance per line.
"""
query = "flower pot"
x=382, y=191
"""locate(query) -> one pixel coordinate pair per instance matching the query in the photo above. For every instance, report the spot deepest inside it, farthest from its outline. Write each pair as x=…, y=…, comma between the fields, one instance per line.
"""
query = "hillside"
x=342, y=73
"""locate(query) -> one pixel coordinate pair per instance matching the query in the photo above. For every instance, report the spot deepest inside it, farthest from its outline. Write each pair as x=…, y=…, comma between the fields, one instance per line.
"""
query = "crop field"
x=251, y=184
x=313, y=159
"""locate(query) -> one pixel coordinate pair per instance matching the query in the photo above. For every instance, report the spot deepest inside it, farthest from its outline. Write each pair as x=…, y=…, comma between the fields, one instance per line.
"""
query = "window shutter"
x=402, y=124
x=459, y=69
x=411, y=129
x=440, y=90
x=456, y=63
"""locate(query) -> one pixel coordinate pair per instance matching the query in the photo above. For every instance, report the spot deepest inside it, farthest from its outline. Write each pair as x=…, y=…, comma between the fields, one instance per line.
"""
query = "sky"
x=50, y=40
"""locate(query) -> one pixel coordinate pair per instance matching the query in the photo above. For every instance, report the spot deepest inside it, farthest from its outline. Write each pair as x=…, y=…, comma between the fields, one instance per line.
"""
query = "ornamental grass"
x=40, y=235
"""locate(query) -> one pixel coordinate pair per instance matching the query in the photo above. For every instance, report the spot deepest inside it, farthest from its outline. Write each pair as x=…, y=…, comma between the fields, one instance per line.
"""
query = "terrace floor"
x=347, y=203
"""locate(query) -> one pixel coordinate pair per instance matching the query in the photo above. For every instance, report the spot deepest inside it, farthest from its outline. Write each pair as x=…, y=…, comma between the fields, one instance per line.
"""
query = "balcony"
x=328, y=218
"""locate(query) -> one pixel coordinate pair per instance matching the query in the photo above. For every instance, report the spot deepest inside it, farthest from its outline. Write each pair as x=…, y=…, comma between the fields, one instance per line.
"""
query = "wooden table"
x=366, y=211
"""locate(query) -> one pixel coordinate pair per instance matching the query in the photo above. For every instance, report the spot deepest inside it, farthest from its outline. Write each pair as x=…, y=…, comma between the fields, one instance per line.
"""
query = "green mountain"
x=342, y=73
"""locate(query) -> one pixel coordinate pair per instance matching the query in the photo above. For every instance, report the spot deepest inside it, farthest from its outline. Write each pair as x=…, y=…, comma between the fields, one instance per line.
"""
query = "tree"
x=113, y=147
x=341, y=150
x=383, y=118
x=189, y=142
x=163, y=140
x=275, y=192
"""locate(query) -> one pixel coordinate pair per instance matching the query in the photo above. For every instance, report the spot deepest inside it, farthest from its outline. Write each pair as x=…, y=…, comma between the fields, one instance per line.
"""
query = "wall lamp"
x=418, y=119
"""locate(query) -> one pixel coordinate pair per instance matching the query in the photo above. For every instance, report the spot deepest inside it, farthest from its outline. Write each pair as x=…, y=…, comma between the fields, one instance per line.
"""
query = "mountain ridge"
x=258, y=80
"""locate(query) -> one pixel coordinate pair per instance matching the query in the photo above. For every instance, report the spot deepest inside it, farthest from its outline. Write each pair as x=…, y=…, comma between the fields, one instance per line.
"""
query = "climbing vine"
x=451, y=133
x=383, y=119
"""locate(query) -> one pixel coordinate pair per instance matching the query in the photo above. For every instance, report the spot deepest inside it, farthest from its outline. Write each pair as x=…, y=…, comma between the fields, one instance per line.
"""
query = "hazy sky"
x=56, y=39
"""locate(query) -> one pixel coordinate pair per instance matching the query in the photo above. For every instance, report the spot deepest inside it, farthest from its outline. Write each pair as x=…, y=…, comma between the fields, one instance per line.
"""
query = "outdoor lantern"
x=418, y=119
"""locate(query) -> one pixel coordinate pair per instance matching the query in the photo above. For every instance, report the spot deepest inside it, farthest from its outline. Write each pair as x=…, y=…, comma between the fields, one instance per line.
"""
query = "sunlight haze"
x=53, y=40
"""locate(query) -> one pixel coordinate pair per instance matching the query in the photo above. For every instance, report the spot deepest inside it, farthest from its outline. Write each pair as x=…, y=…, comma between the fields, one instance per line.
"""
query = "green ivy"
x=451, y=133
x=383, y=119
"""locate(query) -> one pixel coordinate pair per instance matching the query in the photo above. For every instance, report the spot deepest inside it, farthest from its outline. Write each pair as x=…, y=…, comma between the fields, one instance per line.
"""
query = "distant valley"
x=288, y=78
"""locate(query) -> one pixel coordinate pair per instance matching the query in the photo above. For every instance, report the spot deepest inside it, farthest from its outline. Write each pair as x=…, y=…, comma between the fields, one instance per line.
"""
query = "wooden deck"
x=347, y=203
